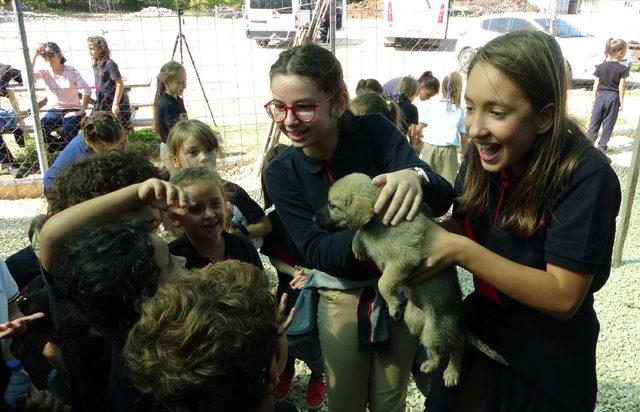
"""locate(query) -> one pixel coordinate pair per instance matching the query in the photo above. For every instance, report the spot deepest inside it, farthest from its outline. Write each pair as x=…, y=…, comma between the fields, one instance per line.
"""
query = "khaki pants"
x=442, y=159
x=357, y=380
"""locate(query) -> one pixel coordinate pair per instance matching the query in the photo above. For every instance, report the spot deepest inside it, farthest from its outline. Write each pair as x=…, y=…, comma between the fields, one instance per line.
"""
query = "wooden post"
x=627, y=200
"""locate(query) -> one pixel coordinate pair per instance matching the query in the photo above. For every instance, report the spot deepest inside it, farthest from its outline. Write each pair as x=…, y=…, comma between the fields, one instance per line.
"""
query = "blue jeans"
x=8, y=121
x=70, y=126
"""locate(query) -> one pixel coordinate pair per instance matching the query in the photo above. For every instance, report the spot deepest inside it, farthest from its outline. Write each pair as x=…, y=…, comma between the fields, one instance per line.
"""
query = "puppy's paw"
x=451, y=376
x=396, y=312
x=360, y=256
x=430, y=365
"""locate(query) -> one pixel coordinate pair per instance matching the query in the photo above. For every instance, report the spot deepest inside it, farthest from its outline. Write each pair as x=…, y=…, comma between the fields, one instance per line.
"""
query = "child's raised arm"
x=154, y=192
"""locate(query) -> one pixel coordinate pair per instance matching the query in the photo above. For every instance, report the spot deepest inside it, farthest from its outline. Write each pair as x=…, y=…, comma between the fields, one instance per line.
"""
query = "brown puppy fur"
x=398, y=251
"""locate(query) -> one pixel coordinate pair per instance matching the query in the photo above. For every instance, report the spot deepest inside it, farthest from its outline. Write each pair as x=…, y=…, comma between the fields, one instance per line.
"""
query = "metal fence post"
x=40, y=146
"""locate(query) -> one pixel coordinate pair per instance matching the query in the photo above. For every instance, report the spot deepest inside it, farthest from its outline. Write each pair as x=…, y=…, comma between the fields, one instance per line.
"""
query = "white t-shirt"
x=443, y=126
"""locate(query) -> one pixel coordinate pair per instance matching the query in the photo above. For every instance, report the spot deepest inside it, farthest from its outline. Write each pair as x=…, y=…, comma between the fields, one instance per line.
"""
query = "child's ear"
x=341, y=103
x=546, y=117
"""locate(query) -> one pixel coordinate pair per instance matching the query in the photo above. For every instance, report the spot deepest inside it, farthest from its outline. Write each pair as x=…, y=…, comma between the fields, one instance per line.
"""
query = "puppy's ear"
x=361, y=212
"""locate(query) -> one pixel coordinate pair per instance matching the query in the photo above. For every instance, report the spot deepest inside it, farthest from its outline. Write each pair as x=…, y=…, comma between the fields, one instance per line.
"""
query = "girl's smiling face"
x=500, y=120
x=318, y=137
x=207, y=216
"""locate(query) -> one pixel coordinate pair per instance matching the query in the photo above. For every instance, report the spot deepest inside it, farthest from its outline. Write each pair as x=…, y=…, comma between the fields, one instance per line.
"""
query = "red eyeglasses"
x=305, y=112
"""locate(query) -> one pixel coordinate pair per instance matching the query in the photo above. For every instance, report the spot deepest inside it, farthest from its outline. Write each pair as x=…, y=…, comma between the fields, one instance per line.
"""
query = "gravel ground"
x=617, y=304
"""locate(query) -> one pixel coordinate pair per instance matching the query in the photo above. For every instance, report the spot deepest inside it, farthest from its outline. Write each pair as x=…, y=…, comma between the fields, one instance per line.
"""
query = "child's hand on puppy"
x=403, y=190
x=165, y=196
x=441, y=252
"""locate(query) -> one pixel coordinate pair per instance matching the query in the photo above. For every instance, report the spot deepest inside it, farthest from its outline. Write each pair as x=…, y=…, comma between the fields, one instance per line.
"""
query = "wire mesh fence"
x=375, y=39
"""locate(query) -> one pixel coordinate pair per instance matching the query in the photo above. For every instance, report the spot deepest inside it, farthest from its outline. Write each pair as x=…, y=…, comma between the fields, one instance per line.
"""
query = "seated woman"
x=63, y=107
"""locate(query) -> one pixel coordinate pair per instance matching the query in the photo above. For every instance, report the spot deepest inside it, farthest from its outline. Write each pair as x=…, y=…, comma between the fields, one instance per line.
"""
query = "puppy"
x=398, y=251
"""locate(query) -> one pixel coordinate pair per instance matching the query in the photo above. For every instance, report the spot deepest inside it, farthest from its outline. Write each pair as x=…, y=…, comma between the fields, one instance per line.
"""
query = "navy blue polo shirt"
x=551, y=361
x=299, y=185
x=168, y=112
x=577, y=233
x=235, y=248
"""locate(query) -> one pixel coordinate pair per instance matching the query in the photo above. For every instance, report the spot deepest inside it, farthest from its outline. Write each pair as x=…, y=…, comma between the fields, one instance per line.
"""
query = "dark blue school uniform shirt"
x=609, y=74
x=168, y=111
x=554, y=357
x=235, y=248
x=299, y=185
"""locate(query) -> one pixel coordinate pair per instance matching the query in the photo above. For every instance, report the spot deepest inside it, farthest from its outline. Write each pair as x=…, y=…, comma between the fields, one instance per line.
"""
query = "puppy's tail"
x=474, y=341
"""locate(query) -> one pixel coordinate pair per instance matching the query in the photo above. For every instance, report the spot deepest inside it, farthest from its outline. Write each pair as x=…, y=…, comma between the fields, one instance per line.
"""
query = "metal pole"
x=627, y=200
x=40, y=146
x=332, y=26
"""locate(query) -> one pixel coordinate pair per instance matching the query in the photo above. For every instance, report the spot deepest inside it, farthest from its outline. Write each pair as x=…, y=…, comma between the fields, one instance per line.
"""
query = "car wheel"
x=569, y=74
x=262, y=42
x=464, y=58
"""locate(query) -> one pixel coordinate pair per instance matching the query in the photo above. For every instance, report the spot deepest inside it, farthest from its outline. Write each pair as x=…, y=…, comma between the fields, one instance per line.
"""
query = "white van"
x=410, y=20
x=279, y=20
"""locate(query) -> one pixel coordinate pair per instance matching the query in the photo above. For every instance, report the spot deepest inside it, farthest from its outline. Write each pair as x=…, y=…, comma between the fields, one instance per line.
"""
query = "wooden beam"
x=627, y=200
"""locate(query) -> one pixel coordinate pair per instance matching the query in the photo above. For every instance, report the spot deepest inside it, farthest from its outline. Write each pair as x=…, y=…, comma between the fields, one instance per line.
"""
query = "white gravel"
x=617, y=304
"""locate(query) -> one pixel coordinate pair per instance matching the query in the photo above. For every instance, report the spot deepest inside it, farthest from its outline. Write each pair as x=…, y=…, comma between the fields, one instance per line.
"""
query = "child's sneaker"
x=316, y=393
x=282, y=389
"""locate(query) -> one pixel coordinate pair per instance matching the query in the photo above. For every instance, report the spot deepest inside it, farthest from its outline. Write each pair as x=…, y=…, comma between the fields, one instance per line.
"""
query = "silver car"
x=581, y=50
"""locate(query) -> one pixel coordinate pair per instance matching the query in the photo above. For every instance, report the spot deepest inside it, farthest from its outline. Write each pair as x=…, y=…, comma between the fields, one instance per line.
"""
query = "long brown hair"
x=452, y=88
x=100, y=44
x=534, y=62
x=168, y=72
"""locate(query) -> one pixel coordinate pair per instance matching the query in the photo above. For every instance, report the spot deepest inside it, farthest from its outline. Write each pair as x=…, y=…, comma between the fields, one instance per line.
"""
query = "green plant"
x=27, y=157
x=635, y=68
x=145, y=142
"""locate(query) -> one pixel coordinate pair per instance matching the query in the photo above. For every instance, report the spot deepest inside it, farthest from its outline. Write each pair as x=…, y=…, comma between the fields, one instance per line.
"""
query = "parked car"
x=581, y=50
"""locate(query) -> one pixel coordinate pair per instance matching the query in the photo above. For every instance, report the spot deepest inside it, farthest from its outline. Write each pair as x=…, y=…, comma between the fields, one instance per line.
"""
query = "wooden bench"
x=135, y=107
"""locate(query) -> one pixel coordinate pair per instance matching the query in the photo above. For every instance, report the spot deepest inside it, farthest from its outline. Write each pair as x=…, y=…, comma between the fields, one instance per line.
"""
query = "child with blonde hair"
x=406, y=91
x=168, y=106
x=205, y=239
x=192, y=143
x=444, y=122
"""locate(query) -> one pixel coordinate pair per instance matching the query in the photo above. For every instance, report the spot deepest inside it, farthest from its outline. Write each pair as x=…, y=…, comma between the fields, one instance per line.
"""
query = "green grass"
x=145, y=141
x=27, y=156
x=237, y=140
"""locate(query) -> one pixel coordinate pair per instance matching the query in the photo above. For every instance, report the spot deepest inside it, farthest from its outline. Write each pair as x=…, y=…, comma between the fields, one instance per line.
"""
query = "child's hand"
x=403, y=190
x=300, y=278
x=17, y=326
x=164, y=196
x=283, y=320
